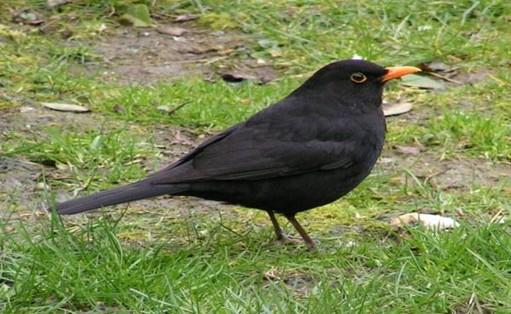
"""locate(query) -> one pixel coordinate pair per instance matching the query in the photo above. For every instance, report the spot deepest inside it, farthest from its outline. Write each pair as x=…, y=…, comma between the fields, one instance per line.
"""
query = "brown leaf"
x=55, y=3
x=435, y=66
x=201, y=49
x=272, y=275
x=41, y=186
x=236, y=76
x=27, y=17
x=65, y=107
x=171, y=30
x=185, y=18
x=408, y=150
x=396, y=108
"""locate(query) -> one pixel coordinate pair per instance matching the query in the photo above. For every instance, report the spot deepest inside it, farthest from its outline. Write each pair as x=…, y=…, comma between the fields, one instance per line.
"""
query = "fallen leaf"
x=396, y=108
x=226, y=52
x=26, y=109
x=408, y=150
x=55, y=3
x=432, y=222
x=435, y=66
x=421, y=81
x=267, y=43
x=41, y=186
x=271, y=275
x=27, y=17
x=276, y=52
x=164, y=108
x=185, y=18
x=201, y=49
x=236, y=76
x=65, y=107
x=172, y=31
x=102, y=27
x=137, y=15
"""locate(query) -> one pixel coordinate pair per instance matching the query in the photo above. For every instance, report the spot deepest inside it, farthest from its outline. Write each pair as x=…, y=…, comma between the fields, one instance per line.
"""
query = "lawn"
x=154, y=94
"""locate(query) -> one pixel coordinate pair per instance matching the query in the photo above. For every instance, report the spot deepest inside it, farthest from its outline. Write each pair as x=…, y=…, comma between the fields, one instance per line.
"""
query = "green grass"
x=423, y=272
x=96, y=156
x=190, y=257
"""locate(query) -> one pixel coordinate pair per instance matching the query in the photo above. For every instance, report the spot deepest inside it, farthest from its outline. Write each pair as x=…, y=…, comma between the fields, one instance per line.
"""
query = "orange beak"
x=397, y=72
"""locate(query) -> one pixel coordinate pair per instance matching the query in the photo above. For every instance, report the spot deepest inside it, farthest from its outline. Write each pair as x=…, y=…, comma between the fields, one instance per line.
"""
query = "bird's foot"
x=285, y=239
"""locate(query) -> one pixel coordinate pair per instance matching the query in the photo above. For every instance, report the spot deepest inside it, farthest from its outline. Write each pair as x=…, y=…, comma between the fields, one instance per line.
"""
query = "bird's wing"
x=255, y=153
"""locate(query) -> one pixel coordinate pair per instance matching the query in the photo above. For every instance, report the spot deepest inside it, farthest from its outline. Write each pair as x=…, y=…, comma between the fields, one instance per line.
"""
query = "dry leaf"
x=236, y=76
x=65, y=107
x=421, y=81
x=27, y=17
x=436, y=66
x=26, y=109
x=432, y=222
x=185, y=18
x=171, y=30
x=396, y=109
x=54, y=3
x=408, y=150
x=272, y=275
x=276, y=52
x=201, y=49
x=41, y=186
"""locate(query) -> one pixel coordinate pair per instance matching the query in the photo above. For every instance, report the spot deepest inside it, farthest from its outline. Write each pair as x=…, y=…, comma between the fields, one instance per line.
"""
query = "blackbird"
x=307, y=150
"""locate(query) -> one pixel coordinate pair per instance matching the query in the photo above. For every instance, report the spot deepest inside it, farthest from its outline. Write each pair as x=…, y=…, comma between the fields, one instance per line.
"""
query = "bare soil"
x=445, y=174
x=133, y=56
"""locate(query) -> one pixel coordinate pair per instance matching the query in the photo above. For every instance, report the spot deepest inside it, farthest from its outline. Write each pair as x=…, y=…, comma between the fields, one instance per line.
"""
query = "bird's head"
x=354, y=83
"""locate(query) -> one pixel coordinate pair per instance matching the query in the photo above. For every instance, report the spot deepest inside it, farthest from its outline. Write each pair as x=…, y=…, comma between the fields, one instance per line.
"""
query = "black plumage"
x=307, y=150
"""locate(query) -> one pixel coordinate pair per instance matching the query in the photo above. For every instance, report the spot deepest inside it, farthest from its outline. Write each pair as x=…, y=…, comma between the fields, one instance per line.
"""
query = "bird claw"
x=291, y=240
x=285, y=239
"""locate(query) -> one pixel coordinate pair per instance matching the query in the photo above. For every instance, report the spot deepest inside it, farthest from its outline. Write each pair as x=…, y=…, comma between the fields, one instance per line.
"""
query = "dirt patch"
x=18, y=182
x=299, y=283
x=175, y=142
x=146, y=56
x=35, y=118
x=445, y=174
x=473, y=305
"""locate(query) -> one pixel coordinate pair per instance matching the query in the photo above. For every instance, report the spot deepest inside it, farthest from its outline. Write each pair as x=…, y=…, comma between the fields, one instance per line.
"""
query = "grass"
x=94, y=156
x=188, y=256
x=91, y=269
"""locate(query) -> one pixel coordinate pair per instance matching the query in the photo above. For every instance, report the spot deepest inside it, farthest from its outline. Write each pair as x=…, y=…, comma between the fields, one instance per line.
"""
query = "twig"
x=445, y=78
x=170, y=112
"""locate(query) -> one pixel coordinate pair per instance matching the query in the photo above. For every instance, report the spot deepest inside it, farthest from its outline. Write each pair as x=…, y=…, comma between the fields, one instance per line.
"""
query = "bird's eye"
x=358, y=77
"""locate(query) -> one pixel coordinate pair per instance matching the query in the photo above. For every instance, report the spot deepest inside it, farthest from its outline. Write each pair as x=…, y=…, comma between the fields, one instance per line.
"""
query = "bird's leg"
x=278, y=230
x=308, y=241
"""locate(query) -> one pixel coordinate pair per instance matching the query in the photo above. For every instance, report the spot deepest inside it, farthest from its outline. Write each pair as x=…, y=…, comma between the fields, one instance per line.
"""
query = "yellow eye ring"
x=358, y=78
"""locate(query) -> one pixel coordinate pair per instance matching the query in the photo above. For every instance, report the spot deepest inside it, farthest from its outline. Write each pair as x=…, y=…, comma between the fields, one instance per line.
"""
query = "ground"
x=196, y=67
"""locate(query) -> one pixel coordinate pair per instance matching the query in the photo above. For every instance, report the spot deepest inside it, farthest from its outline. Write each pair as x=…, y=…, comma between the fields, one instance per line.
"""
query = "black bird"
x=307, y=150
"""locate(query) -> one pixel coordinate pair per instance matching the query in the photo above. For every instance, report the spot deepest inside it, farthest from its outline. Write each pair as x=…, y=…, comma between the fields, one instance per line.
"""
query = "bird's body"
x=305, y=151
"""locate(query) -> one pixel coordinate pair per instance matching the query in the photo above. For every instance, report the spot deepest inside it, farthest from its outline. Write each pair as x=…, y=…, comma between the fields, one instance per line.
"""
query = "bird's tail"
x=123, y=194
